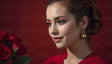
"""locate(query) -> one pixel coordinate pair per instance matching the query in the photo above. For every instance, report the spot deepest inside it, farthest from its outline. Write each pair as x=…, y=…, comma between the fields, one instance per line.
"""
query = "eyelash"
x=59, y=22
x=48, y=23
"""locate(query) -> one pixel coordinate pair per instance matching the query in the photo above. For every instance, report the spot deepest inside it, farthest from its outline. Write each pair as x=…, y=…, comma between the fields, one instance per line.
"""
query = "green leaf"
x=2, y=62
x=22, y=60
x=15, y=50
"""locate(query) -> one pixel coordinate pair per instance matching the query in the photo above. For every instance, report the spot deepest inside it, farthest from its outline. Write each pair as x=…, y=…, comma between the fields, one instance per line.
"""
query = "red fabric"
x=90, y=59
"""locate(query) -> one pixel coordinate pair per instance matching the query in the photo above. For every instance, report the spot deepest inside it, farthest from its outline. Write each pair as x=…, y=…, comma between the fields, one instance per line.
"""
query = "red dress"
x=90, y=59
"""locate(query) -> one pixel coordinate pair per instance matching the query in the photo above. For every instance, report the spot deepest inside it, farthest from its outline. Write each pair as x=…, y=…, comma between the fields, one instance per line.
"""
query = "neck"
x=78, y=51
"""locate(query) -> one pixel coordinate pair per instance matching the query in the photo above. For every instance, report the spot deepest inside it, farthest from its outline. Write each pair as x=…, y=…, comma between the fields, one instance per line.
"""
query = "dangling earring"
x=83, y=34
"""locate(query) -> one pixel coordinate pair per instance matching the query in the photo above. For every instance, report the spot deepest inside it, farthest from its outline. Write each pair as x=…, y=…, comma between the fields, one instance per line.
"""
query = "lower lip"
x=57, y=40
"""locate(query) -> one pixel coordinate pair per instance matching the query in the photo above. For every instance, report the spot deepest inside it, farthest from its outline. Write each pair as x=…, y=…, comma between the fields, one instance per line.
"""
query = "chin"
x=59, y=45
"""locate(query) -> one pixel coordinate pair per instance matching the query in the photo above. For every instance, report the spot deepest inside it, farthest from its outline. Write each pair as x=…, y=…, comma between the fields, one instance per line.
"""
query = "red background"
x=26, y=19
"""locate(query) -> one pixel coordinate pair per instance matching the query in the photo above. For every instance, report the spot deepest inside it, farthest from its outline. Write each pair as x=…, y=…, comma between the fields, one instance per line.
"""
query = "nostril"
x=55, y=32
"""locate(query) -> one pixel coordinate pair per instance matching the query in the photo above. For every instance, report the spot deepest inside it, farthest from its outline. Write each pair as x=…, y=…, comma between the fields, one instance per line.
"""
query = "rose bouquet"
x=11, y=49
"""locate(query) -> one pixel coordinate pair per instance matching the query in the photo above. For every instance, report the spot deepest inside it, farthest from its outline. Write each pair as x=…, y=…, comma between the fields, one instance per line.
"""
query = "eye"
x=61, y=22
x=48, y=23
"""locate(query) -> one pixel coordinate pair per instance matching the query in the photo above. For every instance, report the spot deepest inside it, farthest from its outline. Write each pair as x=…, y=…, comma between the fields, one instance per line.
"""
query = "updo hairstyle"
x=80, y=8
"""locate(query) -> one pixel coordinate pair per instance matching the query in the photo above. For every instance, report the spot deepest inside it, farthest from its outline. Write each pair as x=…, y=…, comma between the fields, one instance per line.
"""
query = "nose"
x=54, y=30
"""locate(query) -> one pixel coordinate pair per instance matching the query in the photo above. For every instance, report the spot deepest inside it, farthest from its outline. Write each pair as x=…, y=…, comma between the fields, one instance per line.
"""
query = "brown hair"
x=80, y=8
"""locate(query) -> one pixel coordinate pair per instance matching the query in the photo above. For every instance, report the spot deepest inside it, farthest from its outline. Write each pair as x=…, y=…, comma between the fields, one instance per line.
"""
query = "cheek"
x=70, y=32
x=64, y=30
x=69, y=29
x=49, y=32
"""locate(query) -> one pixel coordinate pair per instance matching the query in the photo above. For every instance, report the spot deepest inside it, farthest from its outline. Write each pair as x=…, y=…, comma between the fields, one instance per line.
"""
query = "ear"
x=84, y=22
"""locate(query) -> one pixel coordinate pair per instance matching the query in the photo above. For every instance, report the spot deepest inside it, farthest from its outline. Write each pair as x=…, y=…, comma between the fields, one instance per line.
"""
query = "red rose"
x=2, y=37
x=17, y=46
x=19, y=49
x=2, y=34
x=13, y=42
x=14, y=39
x=5, y=52
x=14, y=46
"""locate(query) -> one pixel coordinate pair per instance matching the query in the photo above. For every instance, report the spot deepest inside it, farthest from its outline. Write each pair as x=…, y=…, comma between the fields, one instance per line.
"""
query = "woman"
x=71, y=22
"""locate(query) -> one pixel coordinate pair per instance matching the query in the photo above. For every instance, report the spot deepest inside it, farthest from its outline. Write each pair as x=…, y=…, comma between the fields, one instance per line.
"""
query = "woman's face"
x=63, y=28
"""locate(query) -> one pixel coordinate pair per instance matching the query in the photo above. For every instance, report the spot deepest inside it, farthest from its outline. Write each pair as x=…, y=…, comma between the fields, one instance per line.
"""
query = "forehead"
x=56, y=10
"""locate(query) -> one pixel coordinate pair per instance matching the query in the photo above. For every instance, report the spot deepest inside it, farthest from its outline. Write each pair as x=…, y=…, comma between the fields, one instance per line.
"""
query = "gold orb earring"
x=83, y=34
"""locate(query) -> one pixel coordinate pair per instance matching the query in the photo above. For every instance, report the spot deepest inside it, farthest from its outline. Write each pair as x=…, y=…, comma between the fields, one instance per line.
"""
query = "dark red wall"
x=26, y=19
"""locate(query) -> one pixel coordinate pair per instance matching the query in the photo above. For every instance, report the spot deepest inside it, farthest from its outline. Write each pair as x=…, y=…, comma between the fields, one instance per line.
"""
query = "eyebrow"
x=55, y=18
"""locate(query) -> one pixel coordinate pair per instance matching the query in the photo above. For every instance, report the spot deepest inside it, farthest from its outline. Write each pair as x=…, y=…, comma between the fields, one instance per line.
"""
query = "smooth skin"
x=63, y=24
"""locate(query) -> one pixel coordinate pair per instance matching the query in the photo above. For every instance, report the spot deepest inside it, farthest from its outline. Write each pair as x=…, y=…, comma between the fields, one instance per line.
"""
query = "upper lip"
x=57, y=37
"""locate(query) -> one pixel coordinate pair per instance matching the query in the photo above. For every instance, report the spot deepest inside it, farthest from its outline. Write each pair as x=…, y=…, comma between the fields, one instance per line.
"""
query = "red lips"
x=57, y=39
